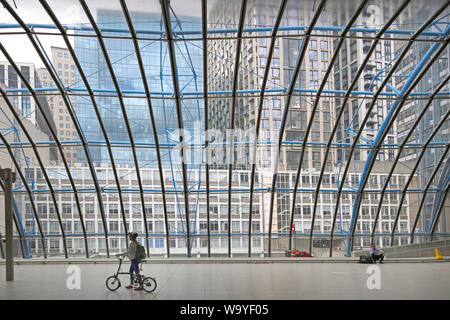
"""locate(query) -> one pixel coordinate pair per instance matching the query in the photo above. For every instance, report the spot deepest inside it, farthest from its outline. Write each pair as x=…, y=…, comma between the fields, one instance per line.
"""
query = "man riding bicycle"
x=131, y=254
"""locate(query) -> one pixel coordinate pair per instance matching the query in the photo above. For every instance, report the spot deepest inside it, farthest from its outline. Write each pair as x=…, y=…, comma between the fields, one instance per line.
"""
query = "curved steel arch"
x=205, y=105
x=313, y=112
x=22, y=237
x=411, y=82
x=422, y=153
x=70, y=111
x=233, y=109
x=24, y=180
x=169, y=36
x=341, y=111
x=125, y=118
x=153, y=123
x=441, y=206
x=94, y=104
x=422, y=201
x=38, y=157
x=18, y=228
x=59, y=146
x=378, y=92
x=397, y=158
x=292, y=82
x=258, y=120
x=234, y=94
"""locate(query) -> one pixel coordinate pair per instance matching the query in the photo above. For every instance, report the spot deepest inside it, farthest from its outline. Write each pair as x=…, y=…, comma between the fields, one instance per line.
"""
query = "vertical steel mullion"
x=290, y=91
x=258, y=121
x=387, y=78
x=313, y=112
x=21, y=236
x=422, y=201
x=1, y=243
x=168, y=29
x=8, y=177
x=33, y=145
x=232, y=115
x=435, y=131
x=27, y=187
x=152, y=118
x=419, y=76
x=205, y=105
x=69, y=109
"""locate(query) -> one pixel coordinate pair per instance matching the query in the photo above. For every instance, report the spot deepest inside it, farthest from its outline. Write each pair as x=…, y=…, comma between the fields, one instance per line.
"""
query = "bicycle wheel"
x=113, y=283
x=149, y=284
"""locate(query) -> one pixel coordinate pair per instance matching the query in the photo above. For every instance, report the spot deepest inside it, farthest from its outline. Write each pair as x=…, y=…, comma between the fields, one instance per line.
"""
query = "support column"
x=8, y=177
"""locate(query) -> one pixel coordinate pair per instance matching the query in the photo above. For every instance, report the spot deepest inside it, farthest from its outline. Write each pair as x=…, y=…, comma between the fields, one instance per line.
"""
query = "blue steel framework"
x=439, y=42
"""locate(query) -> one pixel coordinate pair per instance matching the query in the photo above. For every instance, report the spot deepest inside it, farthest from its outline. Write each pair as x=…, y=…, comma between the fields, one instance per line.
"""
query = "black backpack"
x=365, y=259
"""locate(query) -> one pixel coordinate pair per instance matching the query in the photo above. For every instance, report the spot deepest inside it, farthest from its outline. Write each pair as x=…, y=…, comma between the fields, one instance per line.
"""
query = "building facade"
x=66, y=73
x=126, y=70
x=21, y=100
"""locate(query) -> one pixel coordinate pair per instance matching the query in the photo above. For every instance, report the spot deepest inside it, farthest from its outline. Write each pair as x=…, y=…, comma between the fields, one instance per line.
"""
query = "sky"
x=70, y=12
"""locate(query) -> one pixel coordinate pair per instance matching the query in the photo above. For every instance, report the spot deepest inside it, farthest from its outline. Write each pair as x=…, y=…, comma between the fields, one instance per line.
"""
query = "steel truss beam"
x=151, y=145
x=225, y=190
x=219, y=94
x=159, y=35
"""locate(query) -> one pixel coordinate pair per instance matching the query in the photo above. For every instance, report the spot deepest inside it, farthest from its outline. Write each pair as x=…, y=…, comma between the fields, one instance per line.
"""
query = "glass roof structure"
x=225, y=128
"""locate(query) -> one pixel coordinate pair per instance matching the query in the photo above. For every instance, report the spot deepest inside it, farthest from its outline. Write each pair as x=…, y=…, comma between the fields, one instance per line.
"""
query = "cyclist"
x=131, y=254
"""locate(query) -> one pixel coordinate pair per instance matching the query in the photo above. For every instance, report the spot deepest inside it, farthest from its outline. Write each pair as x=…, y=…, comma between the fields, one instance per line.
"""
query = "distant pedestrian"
x=376, y=254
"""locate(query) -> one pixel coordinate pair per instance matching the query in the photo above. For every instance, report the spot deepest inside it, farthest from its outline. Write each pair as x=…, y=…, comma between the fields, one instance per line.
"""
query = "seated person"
x=376, y=253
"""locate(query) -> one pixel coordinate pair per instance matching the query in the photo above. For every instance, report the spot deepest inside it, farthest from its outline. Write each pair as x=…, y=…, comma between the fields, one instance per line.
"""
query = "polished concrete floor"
x=237, y=281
